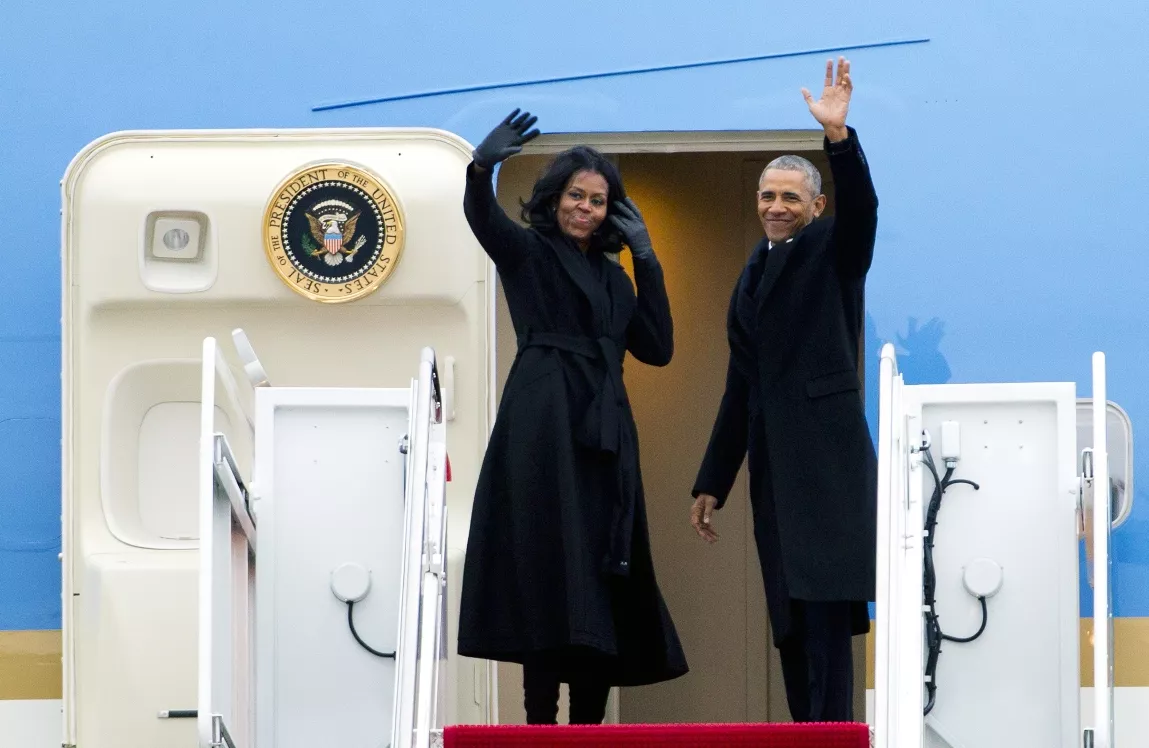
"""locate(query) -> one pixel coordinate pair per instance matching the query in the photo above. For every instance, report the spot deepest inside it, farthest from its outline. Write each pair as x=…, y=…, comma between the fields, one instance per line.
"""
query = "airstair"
x=323, y=583
x=986, y=493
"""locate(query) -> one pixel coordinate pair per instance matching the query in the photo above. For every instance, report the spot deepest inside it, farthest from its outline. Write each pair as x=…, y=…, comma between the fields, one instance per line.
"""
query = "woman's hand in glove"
x=505, y=140
x=629, y=222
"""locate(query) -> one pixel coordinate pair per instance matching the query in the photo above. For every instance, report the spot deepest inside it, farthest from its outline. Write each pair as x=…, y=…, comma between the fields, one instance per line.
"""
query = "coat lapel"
x=775, y=262
x=576, y=267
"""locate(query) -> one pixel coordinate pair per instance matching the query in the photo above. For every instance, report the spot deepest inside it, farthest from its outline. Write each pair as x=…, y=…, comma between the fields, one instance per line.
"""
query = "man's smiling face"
x=785, y=204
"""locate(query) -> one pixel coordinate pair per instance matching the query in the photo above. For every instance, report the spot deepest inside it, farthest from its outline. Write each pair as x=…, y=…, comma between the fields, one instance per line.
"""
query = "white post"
x=1102, y=517
x=415, y=524
x=207, y=550
x=888, y=505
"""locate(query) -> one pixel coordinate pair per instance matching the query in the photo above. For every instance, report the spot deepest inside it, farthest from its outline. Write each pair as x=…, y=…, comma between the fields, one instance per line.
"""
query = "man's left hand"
x=701, y=513
x=831, y=109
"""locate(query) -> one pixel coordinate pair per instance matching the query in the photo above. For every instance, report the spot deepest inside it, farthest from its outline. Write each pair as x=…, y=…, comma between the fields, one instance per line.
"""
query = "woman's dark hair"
x=539, y=211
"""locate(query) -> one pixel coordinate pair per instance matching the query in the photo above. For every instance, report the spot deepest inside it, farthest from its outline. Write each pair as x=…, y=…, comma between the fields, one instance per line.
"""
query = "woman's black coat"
x=558, y=558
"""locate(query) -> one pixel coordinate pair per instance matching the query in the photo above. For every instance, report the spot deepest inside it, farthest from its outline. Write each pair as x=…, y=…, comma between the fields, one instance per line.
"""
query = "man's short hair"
x=797, y=163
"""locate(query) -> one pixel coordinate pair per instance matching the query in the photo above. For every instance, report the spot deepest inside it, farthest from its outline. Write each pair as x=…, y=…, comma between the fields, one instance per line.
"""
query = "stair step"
x=819, y=735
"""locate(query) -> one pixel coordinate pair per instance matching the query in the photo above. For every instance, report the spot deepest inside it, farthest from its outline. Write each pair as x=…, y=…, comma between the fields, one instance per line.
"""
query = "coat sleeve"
x=650, y=334
x=504, y=241
x=856, y=206
x=728, y=439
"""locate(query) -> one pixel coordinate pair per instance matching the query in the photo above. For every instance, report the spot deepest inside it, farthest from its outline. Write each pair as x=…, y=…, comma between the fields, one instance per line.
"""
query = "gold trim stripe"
x=1130, y=653
x=30, y=666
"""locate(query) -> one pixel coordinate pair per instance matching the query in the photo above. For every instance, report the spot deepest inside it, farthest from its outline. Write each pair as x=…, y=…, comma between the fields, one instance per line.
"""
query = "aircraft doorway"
x=696, y=192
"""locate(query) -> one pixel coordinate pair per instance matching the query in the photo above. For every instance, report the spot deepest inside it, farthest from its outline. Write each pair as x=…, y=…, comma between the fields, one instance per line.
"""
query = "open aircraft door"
x=346, y=258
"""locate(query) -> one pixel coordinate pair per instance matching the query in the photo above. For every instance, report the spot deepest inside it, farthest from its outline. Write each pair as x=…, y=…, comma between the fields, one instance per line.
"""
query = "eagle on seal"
x=334, y=231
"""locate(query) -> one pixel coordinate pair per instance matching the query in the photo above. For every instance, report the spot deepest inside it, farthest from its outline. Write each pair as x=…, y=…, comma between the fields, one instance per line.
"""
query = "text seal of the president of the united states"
x=333, y=232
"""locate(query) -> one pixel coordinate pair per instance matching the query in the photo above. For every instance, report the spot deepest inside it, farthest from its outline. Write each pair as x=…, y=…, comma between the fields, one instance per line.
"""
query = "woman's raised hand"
x=505, y=140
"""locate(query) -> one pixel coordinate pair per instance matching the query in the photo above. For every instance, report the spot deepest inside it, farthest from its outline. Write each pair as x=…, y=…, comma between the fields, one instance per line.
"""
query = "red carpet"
x=845, y=735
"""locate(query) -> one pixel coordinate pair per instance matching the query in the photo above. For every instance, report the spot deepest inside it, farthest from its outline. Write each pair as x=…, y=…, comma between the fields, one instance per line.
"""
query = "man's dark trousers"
x=817, y=662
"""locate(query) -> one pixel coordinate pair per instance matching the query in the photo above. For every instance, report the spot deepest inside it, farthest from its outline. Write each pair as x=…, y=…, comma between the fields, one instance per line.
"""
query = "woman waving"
x=558, y=573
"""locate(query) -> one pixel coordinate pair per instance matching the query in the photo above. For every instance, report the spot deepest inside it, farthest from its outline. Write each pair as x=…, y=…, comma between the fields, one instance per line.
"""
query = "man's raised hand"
x=831, y=109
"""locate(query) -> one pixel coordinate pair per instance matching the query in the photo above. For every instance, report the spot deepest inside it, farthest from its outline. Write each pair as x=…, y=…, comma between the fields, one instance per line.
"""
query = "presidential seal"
x=333, y=232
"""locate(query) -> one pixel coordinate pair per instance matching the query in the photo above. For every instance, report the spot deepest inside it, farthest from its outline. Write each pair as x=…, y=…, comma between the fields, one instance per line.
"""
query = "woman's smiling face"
x=582, y=207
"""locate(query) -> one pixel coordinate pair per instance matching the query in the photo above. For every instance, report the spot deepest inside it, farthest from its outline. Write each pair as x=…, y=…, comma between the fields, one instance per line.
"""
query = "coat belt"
x=604, y=428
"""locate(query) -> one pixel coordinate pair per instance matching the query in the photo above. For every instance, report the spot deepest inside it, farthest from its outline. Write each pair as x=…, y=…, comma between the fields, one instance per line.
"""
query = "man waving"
x=793, y=404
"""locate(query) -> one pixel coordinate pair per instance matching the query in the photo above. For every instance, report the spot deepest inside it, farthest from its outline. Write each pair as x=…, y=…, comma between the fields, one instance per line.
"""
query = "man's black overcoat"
x=793, y=402
x=558, y=558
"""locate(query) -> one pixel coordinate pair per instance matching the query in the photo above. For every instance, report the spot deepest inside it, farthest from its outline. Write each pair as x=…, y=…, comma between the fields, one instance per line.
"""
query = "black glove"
x=629, y=222
x=505, y=140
